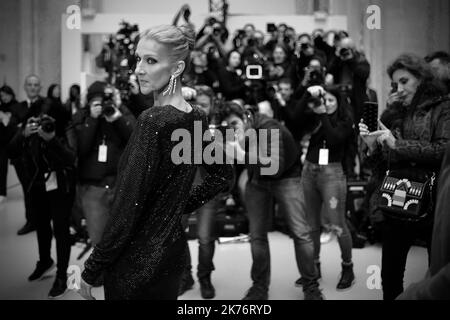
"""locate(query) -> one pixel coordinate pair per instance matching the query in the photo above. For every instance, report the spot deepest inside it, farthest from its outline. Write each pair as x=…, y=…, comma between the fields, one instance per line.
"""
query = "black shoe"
x=27, y=228
x=187, y=283
x=313, y=293
x=41, y=270
x=256, y=293
x=206, y=288
x=59, y=288
x=301, y=281
x=347, y=277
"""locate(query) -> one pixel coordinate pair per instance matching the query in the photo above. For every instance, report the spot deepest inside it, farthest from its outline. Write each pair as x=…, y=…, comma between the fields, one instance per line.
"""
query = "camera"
x=46, y=123
x=254, y=72
x=316, y=76
x=316, y=101
x=344, y=53
x=271, y=27
x=108, y=104
x=304, y=46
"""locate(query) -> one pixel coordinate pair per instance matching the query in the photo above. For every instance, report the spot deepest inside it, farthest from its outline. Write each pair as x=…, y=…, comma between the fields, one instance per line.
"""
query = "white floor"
x=231, y=278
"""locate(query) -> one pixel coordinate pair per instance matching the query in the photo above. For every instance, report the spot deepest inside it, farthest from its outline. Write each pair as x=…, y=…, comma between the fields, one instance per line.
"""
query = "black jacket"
x=358, y=71
x=90, y=135
x=40, y=158
x=288, y=157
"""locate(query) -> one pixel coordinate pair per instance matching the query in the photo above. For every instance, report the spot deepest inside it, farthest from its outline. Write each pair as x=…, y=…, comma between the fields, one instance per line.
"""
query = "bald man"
x=20, y=113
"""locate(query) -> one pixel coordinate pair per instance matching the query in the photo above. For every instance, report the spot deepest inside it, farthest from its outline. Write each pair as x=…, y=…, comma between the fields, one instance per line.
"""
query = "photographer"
x=305, y=51
x=231, y=83
x=213, y=32
x=281, y=65
x=324, y=185
x=32, y=104
x=281, y=152
x=284, y=106
x=350, y=71
x=314, y=74
x=206, y=215
x=49, y=156
x=103, y=129
x=200, y=73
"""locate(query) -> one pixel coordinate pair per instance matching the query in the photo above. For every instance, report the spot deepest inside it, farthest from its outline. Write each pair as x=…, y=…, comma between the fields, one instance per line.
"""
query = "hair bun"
x=189, y=34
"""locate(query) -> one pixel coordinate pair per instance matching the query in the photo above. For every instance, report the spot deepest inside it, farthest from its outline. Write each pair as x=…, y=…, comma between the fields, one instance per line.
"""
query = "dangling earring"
x=174, y=85
x=170, y=86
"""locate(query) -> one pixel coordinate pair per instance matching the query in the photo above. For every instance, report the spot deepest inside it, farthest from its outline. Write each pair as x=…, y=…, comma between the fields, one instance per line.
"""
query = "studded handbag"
x=407, y=194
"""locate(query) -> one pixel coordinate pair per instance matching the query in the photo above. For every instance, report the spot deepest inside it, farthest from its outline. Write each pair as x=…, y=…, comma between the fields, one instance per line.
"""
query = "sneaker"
x=301, y=281
x=59, y=288
x=27, y=228
x=207, y=290
x=187, y=283
x=256, y=293
x=313, y=293
x=41, y=270
x=347, y=277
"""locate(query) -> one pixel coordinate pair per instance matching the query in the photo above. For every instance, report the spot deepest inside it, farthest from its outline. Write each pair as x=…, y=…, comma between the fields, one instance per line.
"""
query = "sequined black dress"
x=143, y=239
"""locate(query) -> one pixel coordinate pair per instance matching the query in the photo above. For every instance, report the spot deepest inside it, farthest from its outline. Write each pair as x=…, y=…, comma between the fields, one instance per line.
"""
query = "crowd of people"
x=312, y=88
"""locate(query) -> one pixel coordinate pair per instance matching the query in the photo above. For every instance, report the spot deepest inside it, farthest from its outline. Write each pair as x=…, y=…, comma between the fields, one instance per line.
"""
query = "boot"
x=347, y=277
x=206, y=288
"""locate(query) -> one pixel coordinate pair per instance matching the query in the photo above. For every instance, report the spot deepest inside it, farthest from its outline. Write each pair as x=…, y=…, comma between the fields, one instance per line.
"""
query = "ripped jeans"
x=324, y=191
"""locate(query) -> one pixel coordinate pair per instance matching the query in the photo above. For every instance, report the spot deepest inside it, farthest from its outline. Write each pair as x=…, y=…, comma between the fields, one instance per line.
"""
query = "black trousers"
x=54, y=206
x=3, y=172
x=24, y=180
x=397, y=240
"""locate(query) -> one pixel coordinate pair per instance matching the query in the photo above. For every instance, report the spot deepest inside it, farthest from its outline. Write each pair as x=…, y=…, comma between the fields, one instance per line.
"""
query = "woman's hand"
x=85, y=290
x=369, y=139
x=316, y=91
x=387, y=138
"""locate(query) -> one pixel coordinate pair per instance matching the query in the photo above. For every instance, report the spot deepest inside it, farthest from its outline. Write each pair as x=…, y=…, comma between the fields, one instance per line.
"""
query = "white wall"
x=252, y=7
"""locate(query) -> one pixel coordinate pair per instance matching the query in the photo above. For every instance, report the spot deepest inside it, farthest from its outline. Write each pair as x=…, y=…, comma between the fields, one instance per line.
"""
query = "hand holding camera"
x=317, y=101
x=96, y=109
x=345, y=54
x=44, y=126
x=31, y=127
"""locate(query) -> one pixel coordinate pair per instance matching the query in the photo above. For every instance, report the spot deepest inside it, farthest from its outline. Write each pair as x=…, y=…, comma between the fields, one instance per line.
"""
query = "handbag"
x=407, y=194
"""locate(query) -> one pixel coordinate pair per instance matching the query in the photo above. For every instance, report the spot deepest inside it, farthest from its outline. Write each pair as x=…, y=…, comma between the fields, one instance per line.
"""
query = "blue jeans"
x=259, y=196
x=206, y=233
x=324, y=189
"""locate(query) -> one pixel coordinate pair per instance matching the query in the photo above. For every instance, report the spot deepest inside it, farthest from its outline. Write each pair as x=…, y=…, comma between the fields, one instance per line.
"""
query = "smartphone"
x=370, y=115
x=394, y=87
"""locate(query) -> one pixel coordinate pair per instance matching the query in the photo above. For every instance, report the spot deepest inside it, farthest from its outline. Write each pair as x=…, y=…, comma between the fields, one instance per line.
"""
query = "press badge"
x=102, y=153
x=51, y=183
x=323, y=155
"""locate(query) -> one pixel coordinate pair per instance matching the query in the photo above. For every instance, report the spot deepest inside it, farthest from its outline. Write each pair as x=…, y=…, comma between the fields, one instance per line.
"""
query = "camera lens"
x=48, y=125
x=108, y=108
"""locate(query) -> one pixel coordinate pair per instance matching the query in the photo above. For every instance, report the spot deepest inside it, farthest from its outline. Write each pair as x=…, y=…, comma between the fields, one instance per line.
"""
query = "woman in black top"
x=230, y=77
x=142, y=252
x=324, y=185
